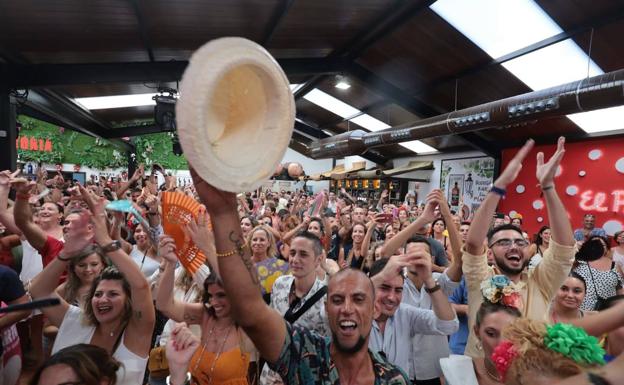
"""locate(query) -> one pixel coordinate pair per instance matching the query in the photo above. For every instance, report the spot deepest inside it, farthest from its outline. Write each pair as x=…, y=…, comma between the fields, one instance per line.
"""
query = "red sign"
x=31, y=143
x=590, y=180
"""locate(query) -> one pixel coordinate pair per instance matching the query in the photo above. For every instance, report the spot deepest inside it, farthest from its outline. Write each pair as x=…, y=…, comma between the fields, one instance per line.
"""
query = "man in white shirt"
x=397, y=323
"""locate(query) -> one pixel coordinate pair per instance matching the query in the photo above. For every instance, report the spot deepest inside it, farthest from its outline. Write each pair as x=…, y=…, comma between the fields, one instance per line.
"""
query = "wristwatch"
x=113, y=246
x=433, y=289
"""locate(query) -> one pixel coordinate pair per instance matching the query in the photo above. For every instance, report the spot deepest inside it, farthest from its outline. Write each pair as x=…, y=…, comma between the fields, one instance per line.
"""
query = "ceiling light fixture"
x=502, y=27
x=117, y=101
x=344, y=110
x=342, y=83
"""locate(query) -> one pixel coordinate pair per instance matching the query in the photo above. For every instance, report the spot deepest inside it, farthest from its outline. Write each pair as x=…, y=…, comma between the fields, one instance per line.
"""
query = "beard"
x=349, y=350
x=501, y=263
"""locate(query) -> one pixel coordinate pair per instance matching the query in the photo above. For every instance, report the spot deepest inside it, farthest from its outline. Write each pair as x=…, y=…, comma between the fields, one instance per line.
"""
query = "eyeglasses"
x=506, y=243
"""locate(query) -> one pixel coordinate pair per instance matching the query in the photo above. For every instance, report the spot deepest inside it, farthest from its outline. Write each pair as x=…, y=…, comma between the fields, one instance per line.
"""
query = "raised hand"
x=515, y=165
x=77, y=237
x=215, y=200
x=420, y=260
x=432, y=202
x=545, y=172
x=96, y=206
x=167, y=249
x=6, y=176
x=179, y=351
x=200, y=233
x=22, y=185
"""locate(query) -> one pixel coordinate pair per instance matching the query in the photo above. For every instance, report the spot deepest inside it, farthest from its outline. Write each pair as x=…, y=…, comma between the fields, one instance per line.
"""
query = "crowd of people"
x=300, y=289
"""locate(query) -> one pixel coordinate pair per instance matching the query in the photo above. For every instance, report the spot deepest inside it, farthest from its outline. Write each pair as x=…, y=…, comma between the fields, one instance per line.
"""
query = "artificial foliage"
x=69, y=146
x=158, y=148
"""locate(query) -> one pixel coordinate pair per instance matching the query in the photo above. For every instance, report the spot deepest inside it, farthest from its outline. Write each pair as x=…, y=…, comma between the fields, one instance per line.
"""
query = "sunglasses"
x=506, y=243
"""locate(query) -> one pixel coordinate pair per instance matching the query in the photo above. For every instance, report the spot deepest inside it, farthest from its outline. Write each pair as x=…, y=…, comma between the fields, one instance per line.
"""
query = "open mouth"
x=514, y=258
x=103, y=309
x=347, y=326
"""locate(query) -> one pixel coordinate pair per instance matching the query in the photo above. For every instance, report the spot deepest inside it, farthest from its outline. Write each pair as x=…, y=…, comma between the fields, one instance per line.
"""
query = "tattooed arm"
x=191, y=313
x=263, y=325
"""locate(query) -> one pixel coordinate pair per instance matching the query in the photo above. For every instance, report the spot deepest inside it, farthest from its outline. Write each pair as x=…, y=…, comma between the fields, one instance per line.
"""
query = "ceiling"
x=404, y=62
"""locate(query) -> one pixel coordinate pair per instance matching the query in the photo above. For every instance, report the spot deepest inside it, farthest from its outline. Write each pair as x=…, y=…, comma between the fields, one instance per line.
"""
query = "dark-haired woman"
x=537, y=248
x=355, y=256
x=490, y=321
x=602, y=279
x=566, y=305
x=118, y=314
x=224, y=352
x=78, y=364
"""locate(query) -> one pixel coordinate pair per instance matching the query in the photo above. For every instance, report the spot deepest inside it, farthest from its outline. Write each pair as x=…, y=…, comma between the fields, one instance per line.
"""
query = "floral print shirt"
x=305, y=359
x=268, y=271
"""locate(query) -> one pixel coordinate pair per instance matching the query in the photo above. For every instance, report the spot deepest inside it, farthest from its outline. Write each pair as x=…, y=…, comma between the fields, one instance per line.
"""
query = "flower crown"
x=570, y=341
x=500, y=289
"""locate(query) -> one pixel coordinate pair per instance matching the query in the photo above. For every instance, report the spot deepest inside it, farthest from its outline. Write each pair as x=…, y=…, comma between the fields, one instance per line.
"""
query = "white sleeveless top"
x=147, y=265
x=73, y=331
x=32, y=262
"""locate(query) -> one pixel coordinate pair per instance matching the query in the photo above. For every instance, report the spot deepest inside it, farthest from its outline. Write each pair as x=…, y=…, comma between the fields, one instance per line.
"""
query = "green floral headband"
x=574, y=343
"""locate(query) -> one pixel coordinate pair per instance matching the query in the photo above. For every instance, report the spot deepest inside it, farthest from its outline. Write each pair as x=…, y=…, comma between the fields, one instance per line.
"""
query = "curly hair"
x=534, y=358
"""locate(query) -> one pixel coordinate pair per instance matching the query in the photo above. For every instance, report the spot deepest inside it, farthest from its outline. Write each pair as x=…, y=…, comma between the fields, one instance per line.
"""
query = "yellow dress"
x=230, y=369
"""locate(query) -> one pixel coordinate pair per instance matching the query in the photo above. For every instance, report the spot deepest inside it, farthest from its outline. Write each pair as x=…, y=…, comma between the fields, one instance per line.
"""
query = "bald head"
x=356, y=277
x=350, y=306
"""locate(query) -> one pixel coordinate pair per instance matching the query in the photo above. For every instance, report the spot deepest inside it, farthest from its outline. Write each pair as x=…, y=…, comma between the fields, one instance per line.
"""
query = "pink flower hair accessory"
x=503, y=356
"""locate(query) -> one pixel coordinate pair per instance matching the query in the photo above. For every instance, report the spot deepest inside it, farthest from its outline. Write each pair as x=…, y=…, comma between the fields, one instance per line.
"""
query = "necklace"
x=201, y=354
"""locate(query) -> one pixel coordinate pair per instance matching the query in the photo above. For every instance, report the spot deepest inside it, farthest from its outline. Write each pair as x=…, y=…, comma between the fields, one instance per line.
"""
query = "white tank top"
x=73, y=331
x=32, y=262
x=147, y=265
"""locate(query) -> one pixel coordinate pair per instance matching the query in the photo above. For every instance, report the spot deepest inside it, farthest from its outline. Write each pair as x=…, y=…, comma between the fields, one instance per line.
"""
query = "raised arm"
x=78, y=241
x=560, y=227
x=370, y=227
x=264, y=326
x=399, y=240
x=6, y=216
x=422, y=264
x=483, y=216
x=165, y=302
x=454, y=271
x=203, y=238
x=123, y=187
x=142, y=320
x=598, y=324
x=23, y=216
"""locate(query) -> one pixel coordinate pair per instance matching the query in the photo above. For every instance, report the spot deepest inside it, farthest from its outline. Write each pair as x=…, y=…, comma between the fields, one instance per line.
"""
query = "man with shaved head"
x=299, y=355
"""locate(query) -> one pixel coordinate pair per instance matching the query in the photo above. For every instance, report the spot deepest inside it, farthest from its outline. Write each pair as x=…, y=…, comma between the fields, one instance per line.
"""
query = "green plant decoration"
x=158, y=148
x=69, y=146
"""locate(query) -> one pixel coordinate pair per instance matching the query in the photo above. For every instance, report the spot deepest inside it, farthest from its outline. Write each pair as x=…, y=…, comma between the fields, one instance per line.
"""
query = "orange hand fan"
x=178, y=210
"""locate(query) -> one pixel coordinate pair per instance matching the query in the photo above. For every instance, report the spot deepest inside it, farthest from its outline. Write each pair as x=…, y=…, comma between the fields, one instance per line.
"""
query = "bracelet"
x=62, y=259
x=498, y=191
x=23, y=196
x=187, y=380
x=546, y=188
x=232, y=252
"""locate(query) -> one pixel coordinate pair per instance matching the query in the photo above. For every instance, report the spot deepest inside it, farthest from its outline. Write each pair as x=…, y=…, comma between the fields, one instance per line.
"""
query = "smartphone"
x=387, y=218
